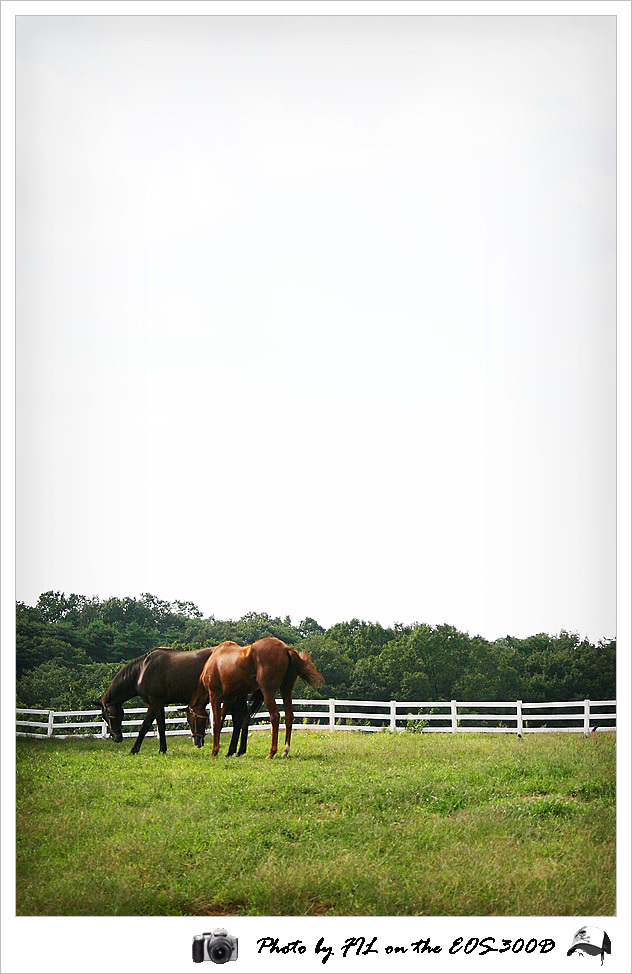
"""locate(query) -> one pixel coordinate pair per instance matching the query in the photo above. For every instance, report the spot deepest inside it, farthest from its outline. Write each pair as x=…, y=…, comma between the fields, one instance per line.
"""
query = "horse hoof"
x=135, y=750
x=285, y=754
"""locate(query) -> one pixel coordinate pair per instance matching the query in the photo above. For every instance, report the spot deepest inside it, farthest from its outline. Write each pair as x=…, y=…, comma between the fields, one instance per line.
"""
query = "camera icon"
x=219, y=947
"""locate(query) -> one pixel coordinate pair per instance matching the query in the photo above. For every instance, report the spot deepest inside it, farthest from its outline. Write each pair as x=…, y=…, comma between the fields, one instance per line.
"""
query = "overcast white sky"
x=316, y=316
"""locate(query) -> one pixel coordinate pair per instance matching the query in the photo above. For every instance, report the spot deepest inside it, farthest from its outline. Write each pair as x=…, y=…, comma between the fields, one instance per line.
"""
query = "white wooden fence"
x=439, y=716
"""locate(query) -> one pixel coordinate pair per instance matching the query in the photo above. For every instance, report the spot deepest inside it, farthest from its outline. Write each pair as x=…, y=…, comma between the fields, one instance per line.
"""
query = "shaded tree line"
x=69, y=648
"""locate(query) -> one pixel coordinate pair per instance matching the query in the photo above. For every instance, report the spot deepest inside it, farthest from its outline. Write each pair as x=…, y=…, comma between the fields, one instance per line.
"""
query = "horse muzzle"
x=198, y=741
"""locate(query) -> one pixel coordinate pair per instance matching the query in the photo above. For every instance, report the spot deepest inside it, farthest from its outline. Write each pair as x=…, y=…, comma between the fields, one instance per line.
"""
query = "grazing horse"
x=233, y=671
x=163, y=676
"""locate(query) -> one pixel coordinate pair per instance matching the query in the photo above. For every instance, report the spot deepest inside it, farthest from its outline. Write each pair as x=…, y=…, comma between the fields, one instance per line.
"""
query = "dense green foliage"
x=69, y=648
x=352, y=825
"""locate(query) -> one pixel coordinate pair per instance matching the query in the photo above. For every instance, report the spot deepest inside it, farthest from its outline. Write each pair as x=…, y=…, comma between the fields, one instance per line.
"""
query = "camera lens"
x=220, y=951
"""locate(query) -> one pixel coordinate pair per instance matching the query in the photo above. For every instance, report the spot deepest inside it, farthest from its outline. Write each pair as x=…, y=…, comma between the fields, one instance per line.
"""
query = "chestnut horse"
x=232, y=672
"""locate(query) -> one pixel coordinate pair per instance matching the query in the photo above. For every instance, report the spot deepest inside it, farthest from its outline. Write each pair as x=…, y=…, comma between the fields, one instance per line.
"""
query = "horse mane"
x=125, y=679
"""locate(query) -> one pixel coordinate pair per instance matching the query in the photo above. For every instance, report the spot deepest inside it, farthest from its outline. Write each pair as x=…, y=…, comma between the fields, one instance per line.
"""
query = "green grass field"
x=352, y=824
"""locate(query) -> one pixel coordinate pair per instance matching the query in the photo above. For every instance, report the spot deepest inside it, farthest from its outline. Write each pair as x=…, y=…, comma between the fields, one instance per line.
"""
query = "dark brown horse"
x=233, y=671
x=163, y=676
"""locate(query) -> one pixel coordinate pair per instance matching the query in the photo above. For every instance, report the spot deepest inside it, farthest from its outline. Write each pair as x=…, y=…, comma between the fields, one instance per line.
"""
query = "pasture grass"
x=352, y=824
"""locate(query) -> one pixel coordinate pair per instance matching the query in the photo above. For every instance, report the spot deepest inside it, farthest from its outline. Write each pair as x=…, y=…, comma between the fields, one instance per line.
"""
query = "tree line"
x=69, y=648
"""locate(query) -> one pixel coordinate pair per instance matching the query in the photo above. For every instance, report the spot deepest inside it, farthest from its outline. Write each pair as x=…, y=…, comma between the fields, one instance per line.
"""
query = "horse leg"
x=273, y=710
x=144, y=727
x=159, y=710
x=222, y=717
x=216, y=708
x=286, y=692
x=289, y=720
x=254, y=702
x=238, y=711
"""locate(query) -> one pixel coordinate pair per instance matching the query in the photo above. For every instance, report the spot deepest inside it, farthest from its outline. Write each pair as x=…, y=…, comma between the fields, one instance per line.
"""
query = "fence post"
x=393, y=721
x=104, y=730
x=51, y=717
x=519, y=717
x=586, y=718
x=453, y=715
x=332, y=714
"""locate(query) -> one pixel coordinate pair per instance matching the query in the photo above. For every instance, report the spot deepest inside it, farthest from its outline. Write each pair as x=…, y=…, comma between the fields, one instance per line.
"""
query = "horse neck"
x=200, y=698
x=124, y=685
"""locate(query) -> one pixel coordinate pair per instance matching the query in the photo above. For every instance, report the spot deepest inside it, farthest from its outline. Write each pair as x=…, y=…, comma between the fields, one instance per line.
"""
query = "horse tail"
x=305, y=668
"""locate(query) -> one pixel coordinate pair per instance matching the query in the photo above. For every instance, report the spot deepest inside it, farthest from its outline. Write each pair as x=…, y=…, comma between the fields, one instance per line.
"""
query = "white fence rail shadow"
x=439, y=716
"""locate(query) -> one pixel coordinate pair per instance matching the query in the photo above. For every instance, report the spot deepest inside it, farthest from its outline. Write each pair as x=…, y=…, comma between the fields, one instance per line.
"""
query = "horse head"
x=113, y=714
x=198, y=722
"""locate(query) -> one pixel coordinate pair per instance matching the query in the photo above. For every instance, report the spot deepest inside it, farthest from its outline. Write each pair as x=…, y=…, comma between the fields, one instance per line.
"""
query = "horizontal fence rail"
x=438, y=716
